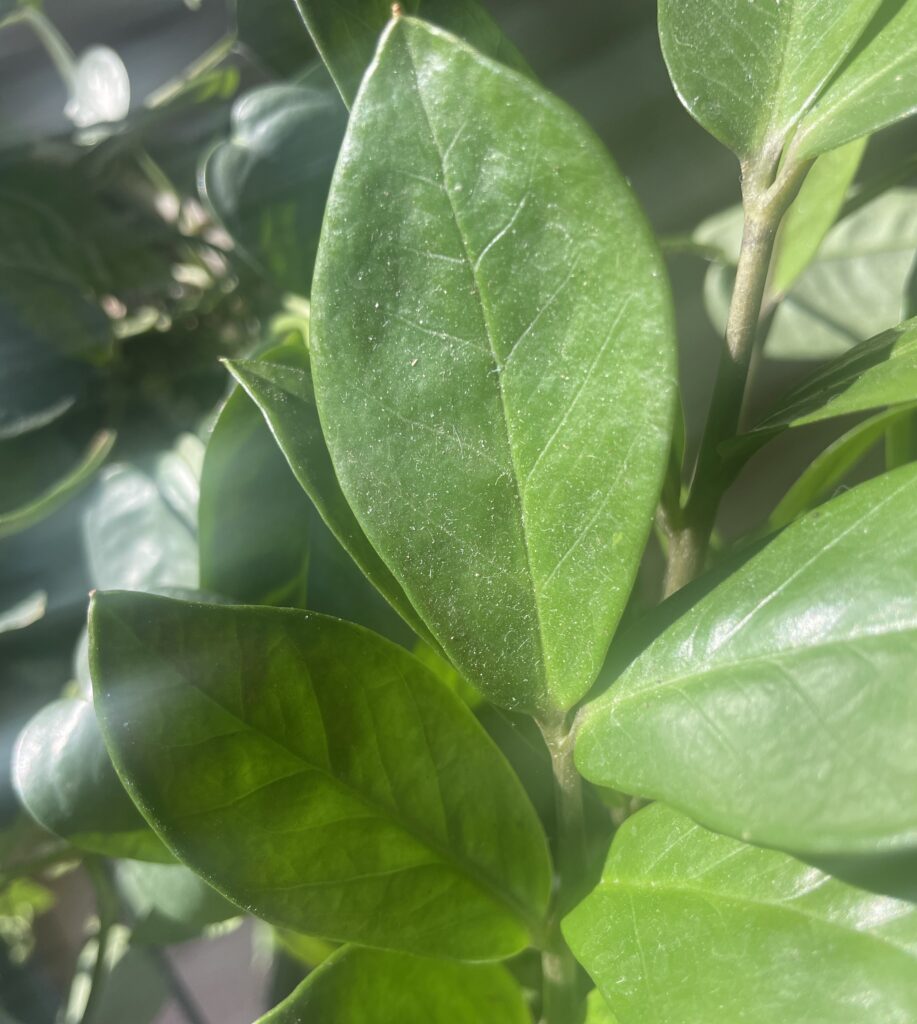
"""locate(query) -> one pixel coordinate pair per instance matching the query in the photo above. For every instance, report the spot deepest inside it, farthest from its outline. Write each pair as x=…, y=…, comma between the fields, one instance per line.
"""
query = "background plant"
x=480, y=409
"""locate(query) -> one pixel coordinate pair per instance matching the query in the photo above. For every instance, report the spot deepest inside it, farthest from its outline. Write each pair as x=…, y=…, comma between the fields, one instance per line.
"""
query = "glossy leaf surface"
x=493, y=363
x=876, y=86
x=747, y=71
x=690, y=927
x=64, y=778
x=347, y=32
x=318, y=776
x=23, y=613
x=253, y=515
x=366, y=986
x=286, y=397
x=781, y=707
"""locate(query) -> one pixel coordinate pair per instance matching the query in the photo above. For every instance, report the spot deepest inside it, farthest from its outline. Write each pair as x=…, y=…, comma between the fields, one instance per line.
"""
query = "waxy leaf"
x=253, y=516
x=876, y=86
x=64, y=779
x=318, y=776
x=747, y=70
x=367, y=986
x=781, y=708
x=493, y=363
x=285, y=395
x=346, y=33
x=24, y=613
x=690, y=927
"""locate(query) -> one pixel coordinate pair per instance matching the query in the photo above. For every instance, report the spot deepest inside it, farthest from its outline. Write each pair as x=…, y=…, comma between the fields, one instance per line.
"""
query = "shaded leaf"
x=30, y=609
x=318, y=776
x=780, y=707
x=366, y=986
x=502, y=315
x=690, y=927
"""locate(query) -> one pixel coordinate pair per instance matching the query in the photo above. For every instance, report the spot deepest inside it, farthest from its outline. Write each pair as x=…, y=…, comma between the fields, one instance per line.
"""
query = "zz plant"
x=483, y=408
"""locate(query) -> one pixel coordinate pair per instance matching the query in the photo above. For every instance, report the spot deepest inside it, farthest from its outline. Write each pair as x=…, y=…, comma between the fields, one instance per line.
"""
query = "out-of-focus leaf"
x=30, y=609
x=269, y=181
x=64, y=779
x=812, y=213
x=855, y=288
x=101, y=90
x=318, y=775
x=59, y=493
x=254, y=516
x=274, y=34
x=347, y=33
x=748, y=71
x=780, y=708
x=690, y=927
x=876, y=86
x=368, y=986
x=597, y=1010
x=504, y=311
x=168, y=903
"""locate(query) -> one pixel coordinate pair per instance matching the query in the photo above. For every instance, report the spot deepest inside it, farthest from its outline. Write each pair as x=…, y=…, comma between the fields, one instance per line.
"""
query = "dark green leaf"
x=286, y=398
x=366, y=986
x=493, y=362
x=318, y=776
x=690, y=927
x=748, y=71
x=273, y=32
x=876, y=86
x=269, y=181
x=65, y=780
x=253, y=515
x=781, y=707
x=346, y=33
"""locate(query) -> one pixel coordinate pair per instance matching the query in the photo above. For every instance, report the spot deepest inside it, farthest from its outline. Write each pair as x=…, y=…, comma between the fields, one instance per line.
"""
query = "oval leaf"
x=366, y=986
x=493, y=361
x=318, y=775
x=781, y=708
x=689, y=927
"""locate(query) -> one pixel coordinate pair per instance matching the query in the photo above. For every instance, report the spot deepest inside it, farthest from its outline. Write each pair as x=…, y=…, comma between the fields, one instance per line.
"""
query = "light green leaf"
x=855, y=287
x=828, y=469
x=493, y=361
x=813, y=212
x=597, y=1010
x=253, y=515
x=747, y=70
x=23, y=613
x=64, y=779
x=367, y=986
x=168, y=903
x=781, y=707
x=286, y=397
x=269, y=181
x=318, y=776
x=690, y=927
x=60, y=492
x=347, y=31
x=876, y=86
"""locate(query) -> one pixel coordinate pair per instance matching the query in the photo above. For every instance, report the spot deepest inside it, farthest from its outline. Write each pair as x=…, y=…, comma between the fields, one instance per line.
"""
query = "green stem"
x=764, y=208
x=186, y=1003
x=212, y=58
x=107, y=911
x=54, y=43
x=561, y=999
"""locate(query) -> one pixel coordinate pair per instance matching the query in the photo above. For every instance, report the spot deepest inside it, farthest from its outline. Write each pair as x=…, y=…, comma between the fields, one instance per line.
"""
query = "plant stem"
x=561, y=999
x=186, y=1002
x=107, y=911
x=764, y=208
x=54, y=43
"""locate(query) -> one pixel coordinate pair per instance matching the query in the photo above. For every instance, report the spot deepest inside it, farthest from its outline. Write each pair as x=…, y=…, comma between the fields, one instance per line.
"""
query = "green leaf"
x=273, y=33
x=781, y=708
x=168, y=903
x=690, y=927
x=64, y=779
x=876, y=86
x=813, y=212
x=493, y=360
x=829, y=469
x=597, y=1010
x=253, y=515
x=286, y=397
x=318, y=776
x=748, y=71
x=367, y=986
x=269, y=181
x=23, y=613
x=855, y=287
x=346, y=33
x=60, y=492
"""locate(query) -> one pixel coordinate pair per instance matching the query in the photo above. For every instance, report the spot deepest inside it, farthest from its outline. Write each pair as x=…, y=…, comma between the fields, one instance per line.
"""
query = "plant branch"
x=107, y=911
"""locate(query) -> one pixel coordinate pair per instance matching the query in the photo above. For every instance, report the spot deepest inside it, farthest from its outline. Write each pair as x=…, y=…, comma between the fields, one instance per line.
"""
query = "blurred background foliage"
x=160, y=214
